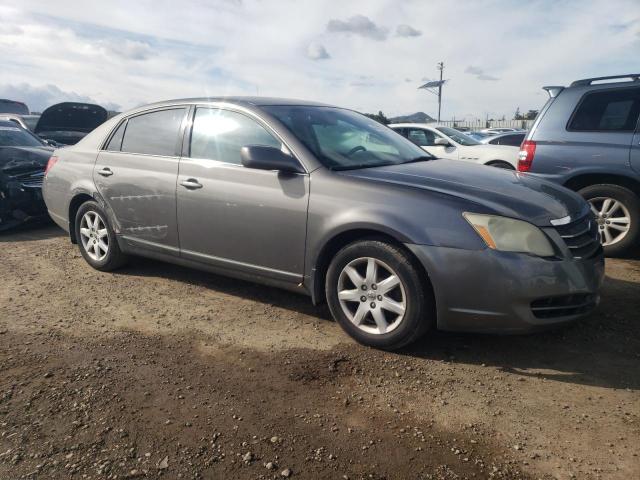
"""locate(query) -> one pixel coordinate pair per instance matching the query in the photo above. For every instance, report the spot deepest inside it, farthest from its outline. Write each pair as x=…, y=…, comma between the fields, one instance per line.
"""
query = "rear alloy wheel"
x=617, y=211
x=96, y=238
x=378, y=296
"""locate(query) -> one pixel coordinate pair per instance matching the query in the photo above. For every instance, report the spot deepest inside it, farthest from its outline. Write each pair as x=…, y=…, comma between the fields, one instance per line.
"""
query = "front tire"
x=617, y=211
x=96, y=239
x=378, y=296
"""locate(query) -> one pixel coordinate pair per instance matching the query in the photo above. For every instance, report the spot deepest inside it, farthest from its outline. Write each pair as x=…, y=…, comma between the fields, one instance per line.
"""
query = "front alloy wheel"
x=379, y=294
x=371, y=295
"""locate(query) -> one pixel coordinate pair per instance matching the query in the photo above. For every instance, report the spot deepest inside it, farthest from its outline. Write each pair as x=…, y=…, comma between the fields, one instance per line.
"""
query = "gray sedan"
x=324, y=201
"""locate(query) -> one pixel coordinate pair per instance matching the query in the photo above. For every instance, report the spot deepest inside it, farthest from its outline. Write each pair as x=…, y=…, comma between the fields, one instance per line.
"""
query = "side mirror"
x=269, y=158
x=442, y=141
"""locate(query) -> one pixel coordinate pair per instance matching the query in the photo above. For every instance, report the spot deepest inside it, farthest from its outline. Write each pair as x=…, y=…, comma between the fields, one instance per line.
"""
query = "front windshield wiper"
x=360, y=165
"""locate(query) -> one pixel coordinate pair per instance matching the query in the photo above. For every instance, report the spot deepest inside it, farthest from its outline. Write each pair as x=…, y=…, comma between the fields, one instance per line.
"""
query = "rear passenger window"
x=613, y=110
x=116, y=141
x=220, y=134
x=154, y=133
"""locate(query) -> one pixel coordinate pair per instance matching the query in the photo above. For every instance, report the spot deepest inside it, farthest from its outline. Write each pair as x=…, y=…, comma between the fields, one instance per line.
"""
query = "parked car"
x=446, y=142
x=13, y=106
x=587, y=138
x=27, y=122
x=23, y=158
x=476, y=135
x=498, y=130
x=327, y=202
x=513, y=139
x=66, y=123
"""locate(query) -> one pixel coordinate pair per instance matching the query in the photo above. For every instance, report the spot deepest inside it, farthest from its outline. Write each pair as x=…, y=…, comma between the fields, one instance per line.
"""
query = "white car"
x=447, y=142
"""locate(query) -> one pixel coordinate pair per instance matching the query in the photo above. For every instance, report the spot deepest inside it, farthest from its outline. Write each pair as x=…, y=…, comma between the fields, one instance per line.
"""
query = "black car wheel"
x=96, y=238
x=378, y=296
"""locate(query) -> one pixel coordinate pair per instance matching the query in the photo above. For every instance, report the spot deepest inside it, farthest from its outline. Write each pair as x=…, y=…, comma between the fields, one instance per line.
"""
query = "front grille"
x=564, y=306
x=581, y=237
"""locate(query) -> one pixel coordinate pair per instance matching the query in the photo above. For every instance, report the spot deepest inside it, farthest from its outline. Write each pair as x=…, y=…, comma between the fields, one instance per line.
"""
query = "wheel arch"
x=74, y=205
x=344, y=238
x=587, y=179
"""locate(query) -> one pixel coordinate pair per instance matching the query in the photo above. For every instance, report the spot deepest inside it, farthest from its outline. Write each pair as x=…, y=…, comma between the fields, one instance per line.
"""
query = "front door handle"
x=105, y=172
x=191, y=184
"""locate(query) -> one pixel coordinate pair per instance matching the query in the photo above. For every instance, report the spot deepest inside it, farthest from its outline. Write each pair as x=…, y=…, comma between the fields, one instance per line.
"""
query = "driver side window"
x=422, y=138
x=220, y=134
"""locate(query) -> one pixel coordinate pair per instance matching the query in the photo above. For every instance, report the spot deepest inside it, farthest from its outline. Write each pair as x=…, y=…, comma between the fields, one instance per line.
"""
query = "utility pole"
x=441, y=68
x=431, y=86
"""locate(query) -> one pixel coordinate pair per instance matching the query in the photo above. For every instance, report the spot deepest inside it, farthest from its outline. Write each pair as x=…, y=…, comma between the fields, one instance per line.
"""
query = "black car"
x=68, y=122
x=23, y=159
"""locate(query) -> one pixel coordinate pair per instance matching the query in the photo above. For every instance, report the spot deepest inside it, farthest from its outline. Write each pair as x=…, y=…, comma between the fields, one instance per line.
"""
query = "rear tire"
x=603, y=198
x=398, y=306
x=96, y=239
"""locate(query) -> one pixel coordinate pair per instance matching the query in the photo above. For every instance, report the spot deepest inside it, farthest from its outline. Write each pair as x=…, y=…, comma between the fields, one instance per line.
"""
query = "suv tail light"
x=52, y=161
x=525, y=157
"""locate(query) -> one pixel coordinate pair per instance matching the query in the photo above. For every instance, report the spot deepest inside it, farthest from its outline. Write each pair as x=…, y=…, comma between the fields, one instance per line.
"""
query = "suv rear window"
x=154, y=133
x=607, y=111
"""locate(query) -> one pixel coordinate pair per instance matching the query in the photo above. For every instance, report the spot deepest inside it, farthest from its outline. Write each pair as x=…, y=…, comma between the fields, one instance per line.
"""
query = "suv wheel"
x=96, y=238
x=617, y=211
x=378, y=296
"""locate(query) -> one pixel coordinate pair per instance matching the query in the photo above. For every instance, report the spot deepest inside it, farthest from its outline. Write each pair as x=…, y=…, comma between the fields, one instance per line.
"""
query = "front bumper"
x=501, y=292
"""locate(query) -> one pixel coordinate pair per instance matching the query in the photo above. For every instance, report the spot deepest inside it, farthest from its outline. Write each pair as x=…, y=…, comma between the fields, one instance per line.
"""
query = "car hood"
x=71, y=117
x=503, y=192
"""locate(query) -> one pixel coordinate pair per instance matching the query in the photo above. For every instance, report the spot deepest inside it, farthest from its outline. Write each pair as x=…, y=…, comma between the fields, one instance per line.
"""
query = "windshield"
x=17, y=137
x=457, y=136
x=343, y=140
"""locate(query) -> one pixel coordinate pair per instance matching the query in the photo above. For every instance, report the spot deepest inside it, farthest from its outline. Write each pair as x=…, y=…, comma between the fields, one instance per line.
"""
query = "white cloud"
x=134, y=52
x=316, y=51
x=479, y=73
x=358, y=25
x=407, y=31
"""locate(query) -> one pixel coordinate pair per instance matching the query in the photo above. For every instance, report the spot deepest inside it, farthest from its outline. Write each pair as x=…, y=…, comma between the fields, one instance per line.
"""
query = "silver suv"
x=587, y=138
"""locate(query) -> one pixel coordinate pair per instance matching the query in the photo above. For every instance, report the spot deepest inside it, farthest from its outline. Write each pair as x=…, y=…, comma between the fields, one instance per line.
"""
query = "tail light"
x=525, y=157
x=52, y=161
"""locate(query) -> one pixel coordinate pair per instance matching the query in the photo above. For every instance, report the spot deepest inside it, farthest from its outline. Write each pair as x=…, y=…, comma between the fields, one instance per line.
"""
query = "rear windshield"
x=17, y=137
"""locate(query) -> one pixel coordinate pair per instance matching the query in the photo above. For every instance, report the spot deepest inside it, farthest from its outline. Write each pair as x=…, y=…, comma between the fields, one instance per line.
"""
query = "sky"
x=368, y=55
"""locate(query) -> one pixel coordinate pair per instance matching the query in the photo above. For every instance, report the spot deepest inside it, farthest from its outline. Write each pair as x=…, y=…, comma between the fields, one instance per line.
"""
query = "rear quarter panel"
x=72, y=174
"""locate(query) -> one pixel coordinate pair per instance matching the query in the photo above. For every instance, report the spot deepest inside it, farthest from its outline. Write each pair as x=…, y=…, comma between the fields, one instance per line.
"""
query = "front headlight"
x=509, y=235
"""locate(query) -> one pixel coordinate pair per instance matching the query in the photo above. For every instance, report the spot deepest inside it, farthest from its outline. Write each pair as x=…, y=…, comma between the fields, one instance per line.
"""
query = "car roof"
x=240, y=100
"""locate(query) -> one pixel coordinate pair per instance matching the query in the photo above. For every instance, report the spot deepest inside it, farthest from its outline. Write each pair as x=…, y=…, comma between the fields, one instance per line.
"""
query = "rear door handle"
x=105, y=172
x=191, y=184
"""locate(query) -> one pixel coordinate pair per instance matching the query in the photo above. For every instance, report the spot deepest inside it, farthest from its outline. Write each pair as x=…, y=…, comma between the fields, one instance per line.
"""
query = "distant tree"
x=379, y=117
x=531, y=115
x=517, y=115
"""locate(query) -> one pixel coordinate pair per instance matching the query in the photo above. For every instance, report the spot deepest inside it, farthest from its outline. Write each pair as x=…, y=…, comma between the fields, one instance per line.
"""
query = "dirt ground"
x=160, y=371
